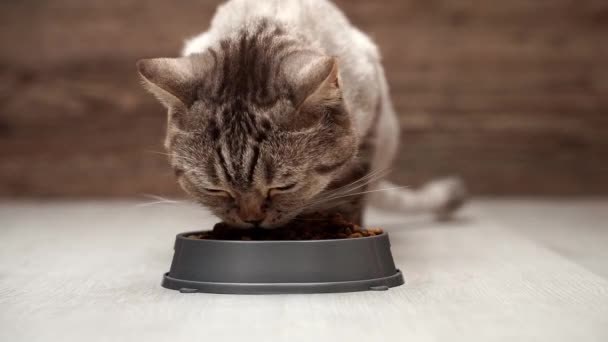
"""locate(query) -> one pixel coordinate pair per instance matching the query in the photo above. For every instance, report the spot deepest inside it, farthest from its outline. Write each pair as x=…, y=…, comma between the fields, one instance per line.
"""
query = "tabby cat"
x=281, y=110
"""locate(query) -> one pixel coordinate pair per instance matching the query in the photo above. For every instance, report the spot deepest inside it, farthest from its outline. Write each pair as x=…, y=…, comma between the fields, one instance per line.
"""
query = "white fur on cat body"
x=363, y=83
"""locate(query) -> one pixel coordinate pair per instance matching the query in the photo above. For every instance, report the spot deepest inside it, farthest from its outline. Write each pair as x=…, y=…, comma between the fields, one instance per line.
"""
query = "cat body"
x=279, y=110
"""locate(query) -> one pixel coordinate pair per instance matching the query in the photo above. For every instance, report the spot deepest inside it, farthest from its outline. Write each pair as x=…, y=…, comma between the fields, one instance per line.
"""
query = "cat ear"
x=171, y=80
x=328, y=92
x=314, y=79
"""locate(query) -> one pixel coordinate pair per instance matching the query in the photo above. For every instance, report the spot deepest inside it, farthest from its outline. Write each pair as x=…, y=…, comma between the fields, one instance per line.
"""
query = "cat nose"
x=252, y=216
x=251, y=210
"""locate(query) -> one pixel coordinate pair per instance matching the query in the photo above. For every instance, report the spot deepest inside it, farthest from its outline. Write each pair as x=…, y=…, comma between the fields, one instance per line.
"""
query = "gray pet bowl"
x=270, y=267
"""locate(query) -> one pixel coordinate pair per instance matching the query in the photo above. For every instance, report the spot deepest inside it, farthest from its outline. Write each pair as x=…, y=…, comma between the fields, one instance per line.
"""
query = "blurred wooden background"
x=511, y=95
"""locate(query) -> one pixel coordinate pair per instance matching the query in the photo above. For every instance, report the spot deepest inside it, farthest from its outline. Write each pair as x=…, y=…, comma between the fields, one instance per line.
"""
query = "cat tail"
x=442, y=197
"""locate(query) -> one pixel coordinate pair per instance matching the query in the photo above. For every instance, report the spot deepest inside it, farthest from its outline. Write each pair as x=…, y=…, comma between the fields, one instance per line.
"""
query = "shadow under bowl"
x=273, y=267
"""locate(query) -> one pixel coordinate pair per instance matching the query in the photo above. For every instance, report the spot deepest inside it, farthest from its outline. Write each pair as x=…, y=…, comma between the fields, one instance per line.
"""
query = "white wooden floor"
x=516, y=270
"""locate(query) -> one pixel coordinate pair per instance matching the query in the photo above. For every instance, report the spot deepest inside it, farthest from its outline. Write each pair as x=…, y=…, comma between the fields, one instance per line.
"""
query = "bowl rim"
x=183, y=236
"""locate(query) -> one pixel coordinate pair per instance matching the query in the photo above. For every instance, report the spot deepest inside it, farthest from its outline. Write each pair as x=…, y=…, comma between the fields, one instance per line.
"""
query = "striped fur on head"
x=257, y=126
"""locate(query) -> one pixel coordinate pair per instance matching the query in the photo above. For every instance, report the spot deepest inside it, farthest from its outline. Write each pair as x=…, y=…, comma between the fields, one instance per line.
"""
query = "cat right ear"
x=171, y=80
x=314, y=78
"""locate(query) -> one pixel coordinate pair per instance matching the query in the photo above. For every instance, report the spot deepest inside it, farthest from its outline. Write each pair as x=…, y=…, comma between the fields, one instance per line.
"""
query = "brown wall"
x=512, y=95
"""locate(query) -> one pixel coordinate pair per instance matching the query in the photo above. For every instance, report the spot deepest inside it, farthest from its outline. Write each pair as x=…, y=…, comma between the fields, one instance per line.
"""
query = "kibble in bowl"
x=311, y=229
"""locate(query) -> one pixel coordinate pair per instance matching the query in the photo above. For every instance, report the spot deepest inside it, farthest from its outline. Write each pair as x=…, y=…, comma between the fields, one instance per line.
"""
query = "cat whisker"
x=337, y=194
x=350, y=195
x=369, y=178
x=156, y=197
x=373, y=174
x=159, y=200
x=370, y=191
x=148, y=204
x=158, y=152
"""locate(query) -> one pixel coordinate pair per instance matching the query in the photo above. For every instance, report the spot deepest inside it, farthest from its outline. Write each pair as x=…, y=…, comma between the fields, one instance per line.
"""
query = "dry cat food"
x=333, y=228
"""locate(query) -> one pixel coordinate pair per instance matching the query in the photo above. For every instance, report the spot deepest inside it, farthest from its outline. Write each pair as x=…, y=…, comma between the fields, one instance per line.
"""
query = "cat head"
x=255, y=136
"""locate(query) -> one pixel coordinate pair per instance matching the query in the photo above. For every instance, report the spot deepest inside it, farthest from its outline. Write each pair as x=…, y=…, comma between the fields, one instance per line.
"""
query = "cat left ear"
x=171, y=80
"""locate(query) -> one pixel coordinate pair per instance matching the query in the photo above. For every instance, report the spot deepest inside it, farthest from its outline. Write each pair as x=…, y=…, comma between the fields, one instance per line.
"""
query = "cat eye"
x=217, y=192
x=280, y=189
x=285, y=187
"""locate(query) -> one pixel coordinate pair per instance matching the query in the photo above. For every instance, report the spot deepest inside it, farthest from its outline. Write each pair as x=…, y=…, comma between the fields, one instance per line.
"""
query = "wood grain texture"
x=91, y=271
x=511, y=96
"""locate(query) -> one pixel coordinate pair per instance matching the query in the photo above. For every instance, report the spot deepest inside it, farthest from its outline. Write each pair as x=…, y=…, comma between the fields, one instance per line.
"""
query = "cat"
x=281, y=111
